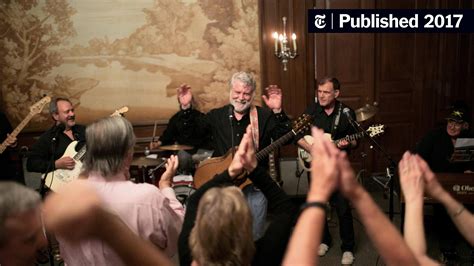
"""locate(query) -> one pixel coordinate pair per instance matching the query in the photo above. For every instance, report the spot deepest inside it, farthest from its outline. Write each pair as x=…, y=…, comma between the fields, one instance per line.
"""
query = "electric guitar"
x=34, y=110
x=60, y=177
x=213, y=166
x=305, y=158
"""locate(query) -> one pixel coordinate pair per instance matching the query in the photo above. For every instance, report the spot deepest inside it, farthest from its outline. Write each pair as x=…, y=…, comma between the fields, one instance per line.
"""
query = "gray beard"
x=242, y=111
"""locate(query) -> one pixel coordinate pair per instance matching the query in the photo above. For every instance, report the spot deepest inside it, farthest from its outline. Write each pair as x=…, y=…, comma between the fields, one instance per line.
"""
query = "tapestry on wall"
x=104, y=54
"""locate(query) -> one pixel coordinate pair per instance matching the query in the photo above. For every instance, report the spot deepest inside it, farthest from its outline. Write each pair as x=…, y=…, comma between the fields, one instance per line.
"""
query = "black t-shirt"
x=328, y=122
x=46, y=150
x=177, y=130
x=216, y=125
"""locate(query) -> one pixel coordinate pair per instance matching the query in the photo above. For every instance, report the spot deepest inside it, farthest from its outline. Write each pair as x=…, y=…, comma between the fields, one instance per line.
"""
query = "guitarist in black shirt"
x=46, y=154
x=329, y=116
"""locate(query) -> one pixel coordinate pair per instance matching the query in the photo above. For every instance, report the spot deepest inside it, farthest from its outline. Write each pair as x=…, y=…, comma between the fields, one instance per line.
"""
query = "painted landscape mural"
x=104, y=54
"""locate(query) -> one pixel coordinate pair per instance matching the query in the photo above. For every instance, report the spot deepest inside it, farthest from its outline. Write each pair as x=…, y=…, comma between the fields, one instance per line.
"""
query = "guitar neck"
x=18, y=129
x=352, y=137
x=22, y=125
x=278, y=143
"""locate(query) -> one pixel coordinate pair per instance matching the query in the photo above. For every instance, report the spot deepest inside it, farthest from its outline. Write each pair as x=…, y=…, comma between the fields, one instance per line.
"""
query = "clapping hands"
x=244, y=159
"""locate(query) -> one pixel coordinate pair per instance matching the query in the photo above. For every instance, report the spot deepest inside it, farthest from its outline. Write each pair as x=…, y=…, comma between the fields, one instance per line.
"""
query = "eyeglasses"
x=452, y=123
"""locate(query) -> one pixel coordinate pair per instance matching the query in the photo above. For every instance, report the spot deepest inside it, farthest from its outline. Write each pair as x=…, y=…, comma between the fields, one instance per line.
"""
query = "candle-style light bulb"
x=275, y=37
x=281, y=42
x=293, y=36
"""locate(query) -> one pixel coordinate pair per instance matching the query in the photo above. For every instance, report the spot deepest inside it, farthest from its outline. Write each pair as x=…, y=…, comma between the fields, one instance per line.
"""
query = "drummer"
x=178, y=139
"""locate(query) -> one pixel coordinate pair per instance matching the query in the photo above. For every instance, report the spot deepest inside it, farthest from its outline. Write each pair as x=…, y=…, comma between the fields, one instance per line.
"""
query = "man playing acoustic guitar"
x=226, y=126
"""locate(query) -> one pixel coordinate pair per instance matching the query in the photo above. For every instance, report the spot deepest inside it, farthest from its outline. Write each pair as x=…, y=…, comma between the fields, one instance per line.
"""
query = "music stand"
x=463, y=151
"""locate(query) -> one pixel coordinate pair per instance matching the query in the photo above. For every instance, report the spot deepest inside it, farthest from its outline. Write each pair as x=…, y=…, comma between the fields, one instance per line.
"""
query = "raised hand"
x=244, y=159
x=432, y=185
x=324, y=173
x=274, y=98
x=171, y=167
x=411, y=178
x=185, y=95
x=77, y=206
x=349, y=185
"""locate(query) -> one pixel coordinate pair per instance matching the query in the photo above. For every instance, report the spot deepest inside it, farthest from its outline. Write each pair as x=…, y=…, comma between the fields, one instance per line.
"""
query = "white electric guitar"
x=60, y=177
x=305, y=158
x=34, y=110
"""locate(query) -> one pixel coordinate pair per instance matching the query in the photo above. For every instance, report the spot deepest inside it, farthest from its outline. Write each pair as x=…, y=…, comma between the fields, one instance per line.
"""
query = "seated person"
x=154, y=214
x=436, y=148
x=224, y=235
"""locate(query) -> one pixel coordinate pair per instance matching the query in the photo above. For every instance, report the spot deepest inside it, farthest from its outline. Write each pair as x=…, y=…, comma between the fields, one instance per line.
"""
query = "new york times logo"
x=320, y=21
x=390, y=20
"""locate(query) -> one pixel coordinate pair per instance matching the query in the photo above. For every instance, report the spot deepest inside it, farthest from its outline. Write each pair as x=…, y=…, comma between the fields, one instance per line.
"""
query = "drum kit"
x=149, y=168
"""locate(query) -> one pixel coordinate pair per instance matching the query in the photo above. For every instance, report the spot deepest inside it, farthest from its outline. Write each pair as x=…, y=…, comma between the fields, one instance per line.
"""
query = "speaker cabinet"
x=295, y=179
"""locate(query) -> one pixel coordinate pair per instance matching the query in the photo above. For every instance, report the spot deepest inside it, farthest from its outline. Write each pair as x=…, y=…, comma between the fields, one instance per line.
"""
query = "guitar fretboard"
x=351, y=137
x=17, y=130
x=265, y=151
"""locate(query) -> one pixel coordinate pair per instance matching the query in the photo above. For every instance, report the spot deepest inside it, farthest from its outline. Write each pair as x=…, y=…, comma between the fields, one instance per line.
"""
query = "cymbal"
x=143, y=161
x=175, y=147
x=366, y=112
x=136, y=151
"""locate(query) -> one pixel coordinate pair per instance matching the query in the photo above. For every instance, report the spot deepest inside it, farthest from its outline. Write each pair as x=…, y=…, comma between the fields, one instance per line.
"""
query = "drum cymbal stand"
x=151, y=172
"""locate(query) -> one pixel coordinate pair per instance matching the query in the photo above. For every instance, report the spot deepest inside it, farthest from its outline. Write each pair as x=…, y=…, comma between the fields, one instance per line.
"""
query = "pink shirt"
x=151, y=213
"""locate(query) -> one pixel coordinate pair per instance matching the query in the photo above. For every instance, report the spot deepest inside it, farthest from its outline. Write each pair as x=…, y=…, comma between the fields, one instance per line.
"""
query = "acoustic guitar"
x=60, y=177
x=34, y=110
x=213, y=166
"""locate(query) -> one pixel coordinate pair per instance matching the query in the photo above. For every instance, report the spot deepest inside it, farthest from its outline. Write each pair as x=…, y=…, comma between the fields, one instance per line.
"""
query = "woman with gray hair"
x=154, y=214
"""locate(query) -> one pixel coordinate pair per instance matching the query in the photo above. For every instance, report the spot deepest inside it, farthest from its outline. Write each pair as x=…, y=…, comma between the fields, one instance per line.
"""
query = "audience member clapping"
x=416, y=178
x=332, y=170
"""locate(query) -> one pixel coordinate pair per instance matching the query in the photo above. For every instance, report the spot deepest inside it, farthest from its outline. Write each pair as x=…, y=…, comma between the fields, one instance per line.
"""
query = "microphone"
x=231, y=116
x=347, y=112
x=231, y=112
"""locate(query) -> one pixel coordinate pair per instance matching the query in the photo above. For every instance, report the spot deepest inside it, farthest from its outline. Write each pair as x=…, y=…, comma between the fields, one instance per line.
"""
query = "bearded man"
x=226, y=126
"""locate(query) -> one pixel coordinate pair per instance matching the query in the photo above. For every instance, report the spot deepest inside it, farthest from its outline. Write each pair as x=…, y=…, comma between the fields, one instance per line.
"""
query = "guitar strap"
x=254, y=125
x=336, y=121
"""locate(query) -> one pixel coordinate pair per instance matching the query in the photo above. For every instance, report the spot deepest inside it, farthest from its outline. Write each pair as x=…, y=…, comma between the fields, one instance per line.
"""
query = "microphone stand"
x=51, y=160
x=54, y=142
x=232, y=141
x=391, y=162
